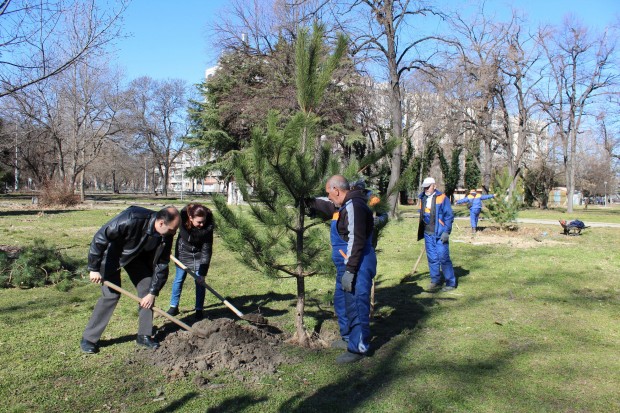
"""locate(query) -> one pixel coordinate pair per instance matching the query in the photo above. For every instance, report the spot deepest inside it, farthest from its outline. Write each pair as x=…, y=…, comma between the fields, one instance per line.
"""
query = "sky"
x=169, y=39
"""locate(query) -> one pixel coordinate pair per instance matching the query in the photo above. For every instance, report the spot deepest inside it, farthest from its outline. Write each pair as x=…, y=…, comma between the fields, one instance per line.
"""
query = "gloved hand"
x=348, y=279
x=444, y=237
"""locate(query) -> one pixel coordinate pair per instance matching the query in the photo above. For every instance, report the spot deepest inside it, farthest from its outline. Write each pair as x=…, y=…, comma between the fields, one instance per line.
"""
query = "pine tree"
x=472, y=172
x=503, y=209
x=451, y=171
x=283, y=165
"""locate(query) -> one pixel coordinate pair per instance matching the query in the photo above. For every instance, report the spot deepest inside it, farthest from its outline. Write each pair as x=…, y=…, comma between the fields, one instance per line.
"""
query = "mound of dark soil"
x=244, y=350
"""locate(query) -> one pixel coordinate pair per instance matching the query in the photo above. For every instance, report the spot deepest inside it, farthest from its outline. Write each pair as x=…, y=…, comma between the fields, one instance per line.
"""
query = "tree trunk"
x=82, y=195
x=300, y=328
x=114, y=182
x=487, y=166
x=396, y=115
x=570, y=183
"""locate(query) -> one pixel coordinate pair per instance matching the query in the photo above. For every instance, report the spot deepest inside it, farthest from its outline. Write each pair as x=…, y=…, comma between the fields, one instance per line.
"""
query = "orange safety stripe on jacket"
x=439, y=200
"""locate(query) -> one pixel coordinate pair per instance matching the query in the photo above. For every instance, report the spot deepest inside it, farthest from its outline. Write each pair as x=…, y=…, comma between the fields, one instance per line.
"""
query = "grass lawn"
x=533, y=327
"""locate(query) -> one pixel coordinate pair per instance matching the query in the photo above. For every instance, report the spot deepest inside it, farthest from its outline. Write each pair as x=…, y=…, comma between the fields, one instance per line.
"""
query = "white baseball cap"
x=428, y=182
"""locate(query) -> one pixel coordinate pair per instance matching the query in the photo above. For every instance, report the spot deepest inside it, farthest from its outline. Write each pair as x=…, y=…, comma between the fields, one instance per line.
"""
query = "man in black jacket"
x=355, y=260
x=139, y=240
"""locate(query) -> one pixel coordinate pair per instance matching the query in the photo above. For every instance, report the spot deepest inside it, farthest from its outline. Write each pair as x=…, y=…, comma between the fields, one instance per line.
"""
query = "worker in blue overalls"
x=436, y=219
x=353, y=254
x=474, y=199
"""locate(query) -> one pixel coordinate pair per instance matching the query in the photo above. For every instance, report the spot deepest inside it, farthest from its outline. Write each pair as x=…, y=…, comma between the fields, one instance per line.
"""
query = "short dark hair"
x=168, y=214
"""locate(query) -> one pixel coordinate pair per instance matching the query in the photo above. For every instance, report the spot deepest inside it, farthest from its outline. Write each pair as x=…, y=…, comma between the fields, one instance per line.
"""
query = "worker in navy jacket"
x=354, y=256
x=474, y=199
x=436, y=219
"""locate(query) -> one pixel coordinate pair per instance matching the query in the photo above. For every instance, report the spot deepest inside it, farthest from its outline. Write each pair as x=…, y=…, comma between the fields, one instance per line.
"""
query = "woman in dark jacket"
x=193, y=249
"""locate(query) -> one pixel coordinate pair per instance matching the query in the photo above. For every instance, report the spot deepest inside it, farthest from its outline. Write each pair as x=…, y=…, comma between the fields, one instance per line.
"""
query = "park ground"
x=534, y=326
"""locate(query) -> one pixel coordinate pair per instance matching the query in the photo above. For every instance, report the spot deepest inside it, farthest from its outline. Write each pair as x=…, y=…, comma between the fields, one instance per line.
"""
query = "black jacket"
x=195, y=245
x=356, y=230
x=129, y=232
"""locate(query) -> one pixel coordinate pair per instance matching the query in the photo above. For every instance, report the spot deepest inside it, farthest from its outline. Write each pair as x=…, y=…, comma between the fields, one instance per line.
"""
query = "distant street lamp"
x=183, y=166
x=605, y=193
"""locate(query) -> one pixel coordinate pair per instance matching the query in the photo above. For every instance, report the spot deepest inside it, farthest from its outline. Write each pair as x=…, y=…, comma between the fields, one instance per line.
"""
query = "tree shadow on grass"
x=177, y=404
x=117, y=340
x=30, y=212
x=259, y=303
x=402, y=306
x=365, y=381
x=236, y=404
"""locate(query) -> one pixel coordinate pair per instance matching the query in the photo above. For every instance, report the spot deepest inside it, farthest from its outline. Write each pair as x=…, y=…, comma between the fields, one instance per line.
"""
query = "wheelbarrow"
x=572, y=228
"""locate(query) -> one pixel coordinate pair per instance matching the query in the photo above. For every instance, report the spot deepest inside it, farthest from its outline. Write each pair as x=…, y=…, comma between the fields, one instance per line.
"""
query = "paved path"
x=556, y=222
x=532, y=221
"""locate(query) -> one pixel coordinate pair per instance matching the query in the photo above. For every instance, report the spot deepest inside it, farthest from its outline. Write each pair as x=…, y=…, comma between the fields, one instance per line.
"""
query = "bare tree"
x=381, y=31
x=256, y=26
x=158, y=120
x=515, y=96
x=76, y=112
x=470, y=82
x=41, y=39
x=581, y=69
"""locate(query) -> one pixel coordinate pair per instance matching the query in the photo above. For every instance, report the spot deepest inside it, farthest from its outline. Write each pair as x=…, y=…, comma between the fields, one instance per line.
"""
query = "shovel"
x=415, y=267
x=252, y=318
x=155, y=309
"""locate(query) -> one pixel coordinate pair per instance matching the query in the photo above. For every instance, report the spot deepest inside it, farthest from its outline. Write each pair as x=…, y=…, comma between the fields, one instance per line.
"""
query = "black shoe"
x=88, y=347
x=173, y=311
x=147, y=342
x=199, y=315
x=349, y=357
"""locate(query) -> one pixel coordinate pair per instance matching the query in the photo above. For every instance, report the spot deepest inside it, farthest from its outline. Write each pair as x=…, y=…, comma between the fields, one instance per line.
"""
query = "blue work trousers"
x=438, y=255
x=473, y=217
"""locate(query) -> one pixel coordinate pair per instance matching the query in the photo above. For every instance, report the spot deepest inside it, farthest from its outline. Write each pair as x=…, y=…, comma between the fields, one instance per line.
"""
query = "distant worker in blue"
x=474, y=199
x=436, y=219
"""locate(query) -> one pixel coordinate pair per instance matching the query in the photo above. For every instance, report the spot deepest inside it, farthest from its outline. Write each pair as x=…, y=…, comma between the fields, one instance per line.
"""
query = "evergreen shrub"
x=36, y=266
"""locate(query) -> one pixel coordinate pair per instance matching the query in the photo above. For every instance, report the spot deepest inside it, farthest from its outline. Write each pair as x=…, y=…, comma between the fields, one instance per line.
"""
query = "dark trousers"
x=140, y=271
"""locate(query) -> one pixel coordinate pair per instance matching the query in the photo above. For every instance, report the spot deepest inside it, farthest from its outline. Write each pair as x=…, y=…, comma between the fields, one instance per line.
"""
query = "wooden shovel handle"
x=155, y=309
x=204, y=284
x=415, y=267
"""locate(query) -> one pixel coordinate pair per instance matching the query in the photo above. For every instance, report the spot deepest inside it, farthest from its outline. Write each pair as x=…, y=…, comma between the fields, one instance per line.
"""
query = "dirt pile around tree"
x=249, y=352
x=522, y=237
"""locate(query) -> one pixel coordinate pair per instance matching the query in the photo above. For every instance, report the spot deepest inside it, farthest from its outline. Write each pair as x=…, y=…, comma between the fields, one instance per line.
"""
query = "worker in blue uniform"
x=436, y=219
x=474, y=199
x=353, y=254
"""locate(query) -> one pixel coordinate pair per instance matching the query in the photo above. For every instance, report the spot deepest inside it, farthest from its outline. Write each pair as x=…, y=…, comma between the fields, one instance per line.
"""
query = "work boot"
x=147, y=342
x=349, y=357
x=173, y=311
x=88, y=347
x=340, y=344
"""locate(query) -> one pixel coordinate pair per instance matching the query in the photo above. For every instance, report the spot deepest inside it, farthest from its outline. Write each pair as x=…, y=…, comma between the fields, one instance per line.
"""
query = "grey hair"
x=338, y=181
